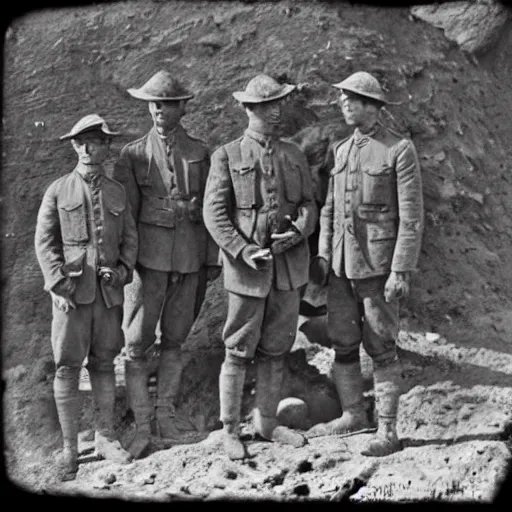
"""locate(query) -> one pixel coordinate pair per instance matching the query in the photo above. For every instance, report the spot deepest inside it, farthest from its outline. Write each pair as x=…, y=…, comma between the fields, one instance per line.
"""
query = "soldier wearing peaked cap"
x=370, y=236
x=260, y=210
x=164, y=174
x=86, y=245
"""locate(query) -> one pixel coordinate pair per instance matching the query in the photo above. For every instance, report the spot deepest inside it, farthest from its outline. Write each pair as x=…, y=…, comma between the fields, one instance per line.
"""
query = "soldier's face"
x=166, y=114
x=91, y=147
x=355, y=111
x=269, y=112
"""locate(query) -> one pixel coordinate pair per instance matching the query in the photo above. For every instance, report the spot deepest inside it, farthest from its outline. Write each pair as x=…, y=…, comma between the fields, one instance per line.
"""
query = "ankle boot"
x=349, y=385
x=65, y=388
x=269, y=379
x=103, y=386
x=136, y=377
x=170, y=368
x=231, y=387
x=387, y=382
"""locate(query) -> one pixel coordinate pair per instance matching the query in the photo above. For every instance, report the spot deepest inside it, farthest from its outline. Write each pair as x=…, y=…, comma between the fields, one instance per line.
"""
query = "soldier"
x=260, y=210
x=164, y=174
x=370, y=235
x=86, y=245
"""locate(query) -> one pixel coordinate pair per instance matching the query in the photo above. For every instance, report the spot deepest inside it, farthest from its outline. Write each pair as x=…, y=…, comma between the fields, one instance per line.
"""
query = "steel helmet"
x=88, y=123
x=162, y=86
x=263, y=88
x=364, y=84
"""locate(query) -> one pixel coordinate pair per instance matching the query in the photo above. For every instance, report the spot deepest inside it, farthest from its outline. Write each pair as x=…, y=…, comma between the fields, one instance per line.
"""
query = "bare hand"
x=397, y=286
x=283, y=236
x=319, y=270
x=256, y=258
x=62, y=303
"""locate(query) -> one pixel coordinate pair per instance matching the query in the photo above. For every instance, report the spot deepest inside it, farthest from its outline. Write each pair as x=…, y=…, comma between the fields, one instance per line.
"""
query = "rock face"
x=474, y=26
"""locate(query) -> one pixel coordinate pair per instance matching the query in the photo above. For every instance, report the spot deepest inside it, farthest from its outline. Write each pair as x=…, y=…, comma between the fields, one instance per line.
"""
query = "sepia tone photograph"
x=258, y=251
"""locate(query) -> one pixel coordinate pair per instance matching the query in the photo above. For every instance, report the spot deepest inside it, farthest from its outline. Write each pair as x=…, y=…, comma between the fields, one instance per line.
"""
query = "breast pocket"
x=73, y=221
x=378, y=182
x=244, y=186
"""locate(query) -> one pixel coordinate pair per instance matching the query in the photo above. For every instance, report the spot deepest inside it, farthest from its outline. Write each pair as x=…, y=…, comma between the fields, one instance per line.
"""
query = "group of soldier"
x=170, y=217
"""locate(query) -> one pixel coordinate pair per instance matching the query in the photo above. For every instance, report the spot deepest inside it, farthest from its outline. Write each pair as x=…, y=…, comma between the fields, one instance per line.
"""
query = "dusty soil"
x=457, y=326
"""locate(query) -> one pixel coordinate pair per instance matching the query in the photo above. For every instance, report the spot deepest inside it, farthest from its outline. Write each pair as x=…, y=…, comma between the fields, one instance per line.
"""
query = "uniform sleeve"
x=124, y=174
x=212, y=249
x=48, y=240
x=129, y=243
x=326, y=223
x=307, y=211
x=410, y=209
x=217, y=203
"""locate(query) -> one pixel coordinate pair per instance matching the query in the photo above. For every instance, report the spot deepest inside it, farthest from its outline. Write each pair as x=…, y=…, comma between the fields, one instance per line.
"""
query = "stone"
x=293, y=412
x=474, y=26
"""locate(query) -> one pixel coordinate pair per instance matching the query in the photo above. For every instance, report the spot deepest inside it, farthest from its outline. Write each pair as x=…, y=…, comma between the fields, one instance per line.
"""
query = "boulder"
x=474, y=26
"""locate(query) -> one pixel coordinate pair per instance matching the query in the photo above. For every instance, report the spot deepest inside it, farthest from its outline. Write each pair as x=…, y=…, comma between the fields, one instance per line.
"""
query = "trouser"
x=164, y=299
x=357, y=312
x=264, y=327
x=92, y=331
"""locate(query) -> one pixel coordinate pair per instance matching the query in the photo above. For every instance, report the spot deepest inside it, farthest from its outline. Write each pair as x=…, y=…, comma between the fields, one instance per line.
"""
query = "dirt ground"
x=60, y=64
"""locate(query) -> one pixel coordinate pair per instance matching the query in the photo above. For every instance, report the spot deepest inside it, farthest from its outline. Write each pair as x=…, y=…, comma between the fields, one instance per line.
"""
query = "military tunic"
x=254, y=182
x=86, y=219
x=165, y=180
x=371, y=224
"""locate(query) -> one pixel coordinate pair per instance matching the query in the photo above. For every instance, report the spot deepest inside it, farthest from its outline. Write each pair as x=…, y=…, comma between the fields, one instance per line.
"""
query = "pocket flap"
x=378, y=170
x=375, y=212
x=243, y=170
x=70, y=206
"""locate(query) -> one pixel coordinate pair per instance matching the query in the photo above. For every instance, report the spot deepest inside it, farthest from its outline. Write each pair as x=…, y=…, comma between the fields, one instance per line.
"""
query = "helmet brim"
x=244, y=97
x=97, y=127
x=141, y=95
x=377, y=97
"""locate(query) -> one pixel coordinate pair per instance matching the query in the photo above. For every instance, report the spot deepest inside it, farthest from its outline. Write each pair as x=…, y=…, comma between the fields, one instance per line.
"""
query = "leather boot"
x=136, y=377
x=387, y=381
x=350, y=386
x=65, y=389
x=170, y=368
x=269, y=379
x=103, y=386
x=231, y=388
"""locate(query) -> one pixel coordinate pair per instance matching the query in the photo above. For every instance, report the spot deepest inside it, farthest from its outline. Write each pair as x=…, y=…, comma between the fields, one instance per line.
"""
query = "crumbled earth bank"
x=60, y=64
